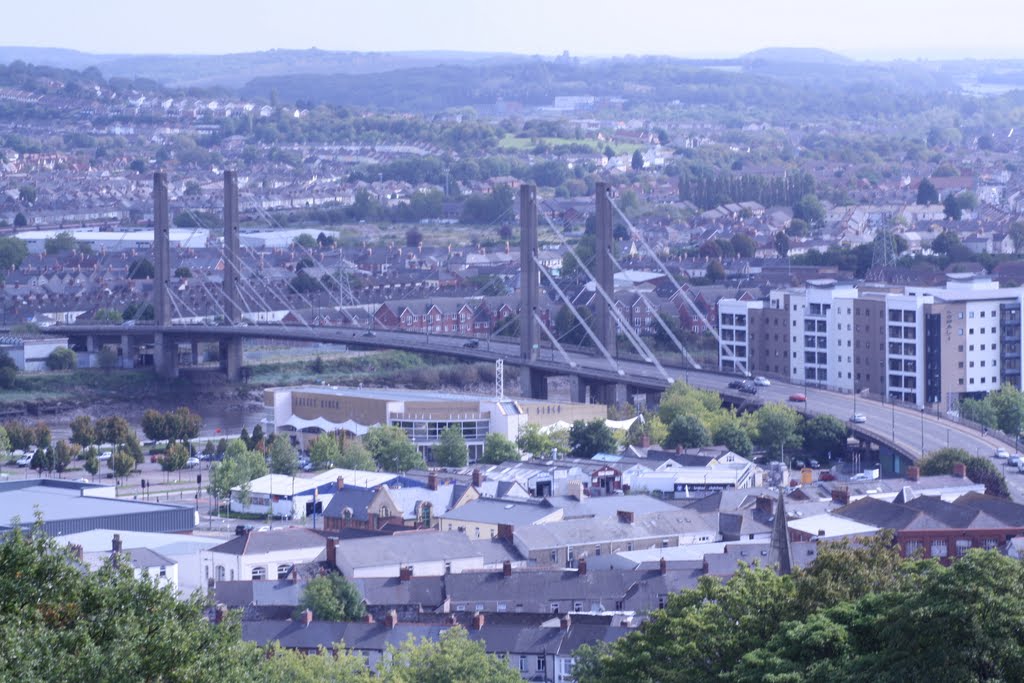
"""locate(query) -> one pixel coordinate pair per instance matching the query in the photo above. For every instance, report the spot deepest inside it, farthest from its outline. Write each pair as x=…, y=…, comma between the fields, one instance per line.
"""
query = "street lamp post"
x=922, y=432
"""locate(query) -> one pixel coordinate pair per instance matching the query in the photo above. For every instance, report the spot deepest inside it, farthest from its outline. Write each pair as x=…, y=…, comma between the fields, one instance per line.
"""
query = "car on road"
x=25, y=460
x=472, y=344
x=369, y=333
x=192, y=462
x=762, y=381
x=748, y=388
x=797, y=398
x=104, y=456
x=735, y=384
x=1002, y=453
x=858, y=418
x=1015, y=461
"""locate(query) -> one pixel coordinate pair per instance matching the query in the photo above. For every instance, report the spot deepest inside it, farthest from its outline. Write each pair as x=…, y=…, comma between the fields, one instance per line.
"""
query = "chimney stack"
x=679, y=449
x=391, y=620
x=506, y=568
x=367, y=618
x=662, y=566
x=220, y=613
x=432, y=481
x=117, y=545
x=478, y=621
x=565, y=622
x=478, y=477
x=79, y=552
x=307, y=617
x=332, y=552
x=582, y=567
x=405, y=573
x=841, y=495
x=625, y=516
x=341, y=483
x=645, y=441
x=960, y=470
x=913, y=473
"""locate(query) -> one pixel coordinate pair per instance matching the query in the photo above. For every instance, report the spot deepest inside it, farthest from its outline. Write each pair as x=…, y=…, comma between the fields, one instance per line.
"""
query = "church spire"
x=780, y=555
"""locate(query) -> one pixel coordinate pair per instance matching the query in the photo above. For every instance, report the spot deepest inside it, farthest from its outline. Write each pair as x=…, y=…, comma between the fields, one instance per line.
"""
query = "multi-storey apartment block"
x=921, y=345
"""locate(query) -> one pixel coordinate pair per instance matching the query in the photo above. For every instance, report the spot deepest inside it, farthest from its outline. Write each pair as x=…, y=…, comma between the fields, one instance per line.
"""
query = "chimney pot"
x=405, y=573
x=116, y=544
x=913, y=473
x=662, y=566
x=478, y=621
x=478, y=477
x=391, y=620
x=332, y=552
x=506, y=568
x=679, y=449
x=960, y=470
x=841, y=495
x=307, y=617
x=432, y=481
x=367, y=618
x=341, y=483
x=565, y=622
x=582, y=567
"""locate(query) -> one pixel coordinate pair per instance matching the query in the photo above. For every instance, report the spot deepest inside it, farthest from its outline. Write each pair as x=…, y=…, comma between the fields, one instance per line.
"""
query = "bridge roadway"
x=904, y=428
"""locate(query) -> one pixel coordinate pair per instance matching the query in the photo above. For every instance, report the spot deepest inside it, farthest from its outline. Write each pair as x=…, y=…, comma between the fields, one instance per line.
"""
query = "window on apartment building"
x=972, y=380
x=283, y=570
x=960, y=315
x=982, y=363
x=993, y=330
x=983, y=380
x=960, y=364
x=993, y=380
x=960, y=332
x=662, y=600
x=961, y=381
x=577, y=606
x=971, y=314
x=960, y=348
x=971, y=364
x=911, y=547
x=502, y=606
x=970, y=331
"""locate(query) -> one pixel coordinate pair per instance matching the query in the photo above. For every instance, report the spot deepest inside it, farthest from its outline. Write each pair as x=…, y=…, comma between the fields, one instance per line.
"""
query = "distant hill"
x=234, y=70
x=797, y=55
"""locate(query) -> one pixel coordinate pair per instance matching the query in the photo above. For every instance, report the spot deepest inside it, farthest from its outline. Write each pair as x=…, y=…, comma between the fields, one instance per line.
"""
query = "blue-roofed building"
x=68, y=507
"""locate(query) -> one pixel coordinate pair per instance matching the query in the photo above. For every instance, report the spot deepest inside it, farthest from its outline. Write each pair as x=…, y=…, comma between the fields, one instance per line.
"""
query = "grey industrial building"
x=68, y=507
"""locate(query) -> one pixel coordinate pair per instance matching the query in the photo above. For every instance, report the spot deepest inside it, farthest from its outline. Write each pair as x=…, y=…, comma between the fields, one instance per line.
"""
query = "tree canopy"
x=587, y=439
x=392, y=449
x=451, y=450
x=331, y=598
x=980, y=470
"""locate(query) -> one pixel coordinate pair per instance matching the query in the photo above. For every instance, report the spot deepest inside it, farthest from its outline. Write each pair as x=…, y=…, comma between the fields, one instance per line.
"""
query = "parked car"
x=798, y=398
x=25, y=460
x=1014, y=461
x=192, y=462
x=762, y=381
x=859, y=418
x=1002, y=453
x=104, y=456
x=748, y=388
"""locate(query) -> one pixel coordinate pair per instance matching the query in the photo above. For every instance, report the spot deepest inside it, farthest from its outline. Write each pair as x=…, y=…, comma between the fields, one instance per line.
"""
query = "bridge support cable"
x=626, y=327
x=742, y=364
x=176, y=300
x=568, y=302
x=664, y=325
x=554, y=342
x=344, y=288
x=238, y=263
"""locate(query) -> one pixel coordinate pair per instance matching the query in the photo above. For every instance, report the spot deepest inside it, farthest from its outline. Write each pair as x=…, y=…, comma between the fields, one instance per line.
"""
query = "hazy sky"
x=859, y=28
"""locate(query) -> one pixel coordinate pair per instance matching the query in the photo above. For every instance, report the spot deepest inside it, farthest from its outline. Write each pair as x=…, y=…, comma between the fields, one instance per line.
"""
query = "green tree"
x=809, y=209
x=981, y=412
x=43, y=460
x=587, y=439
x=715, y=271
x=392, y=450
x=687, y=431
x=1008, y=405
x=306, y=241
x=452, y=658
x=781, y=244
x=451, y=449
x=154, y=425
x=5, y=442
x=825, y=435
x=12, y=252
x=979, y=469
x=637, y=162
x=20, y=221
x=142, y=269
x=63, y=454
x=113, y=429
x=531, y=440
x=744, y=245
x=121, y=463
x=777, y=429
x=82, y=432
x=183, y=272
x=331, y=598
x=498, y=449
x=354, y=456
x=27, y=194
x=239, y=466
x=61, y=242
x=324, y=452
x=92, y=462
x=107, y=358
x=732, y=435
x=951, y=207
x=926, y=192
x=283, y=458
x=175, y=458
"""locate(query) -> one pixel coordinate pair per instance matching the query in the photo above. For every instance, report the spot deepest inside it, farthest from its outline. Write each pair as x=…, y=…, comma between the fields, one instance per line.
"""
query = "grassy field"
x=511, y=142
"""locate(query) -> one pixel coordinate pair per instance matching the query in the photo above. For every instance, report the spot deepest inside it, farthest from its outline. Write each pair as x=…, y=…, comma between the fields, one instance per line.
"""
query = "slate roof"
x=236, y=594
x=260, y=542
x=424, y=591
x=579, y=531
x=1006, y=511
x=494, y=511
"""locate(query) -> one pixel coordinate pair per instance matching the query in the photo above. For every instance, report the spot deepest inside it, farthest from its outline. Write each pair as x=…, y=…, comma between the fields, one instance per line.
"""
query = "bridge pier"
x=231, y=358
x=195, y=353
x=533, y=383
x=127, y=352
x=165, y=355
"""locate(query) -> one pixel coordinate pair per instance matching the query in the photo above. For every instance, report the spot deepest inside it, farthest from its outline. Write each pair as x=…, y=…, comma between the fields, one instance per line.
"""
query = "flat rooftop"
x=407, y=394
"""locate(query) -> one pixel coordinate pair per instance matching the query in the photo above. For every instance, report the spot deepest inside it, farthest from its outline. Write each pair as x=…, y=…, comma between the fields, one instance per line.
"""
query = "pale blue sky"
x=859, y=28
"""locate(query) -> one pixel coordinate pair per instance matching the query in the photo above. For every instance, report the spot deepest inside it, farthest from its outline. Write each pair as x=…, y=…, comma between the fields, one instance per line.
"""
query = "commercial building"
x=307, y=411
x=30, y=354
x=68, y=507
x=297, y=497
x=928, y=346
x=117, y=240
